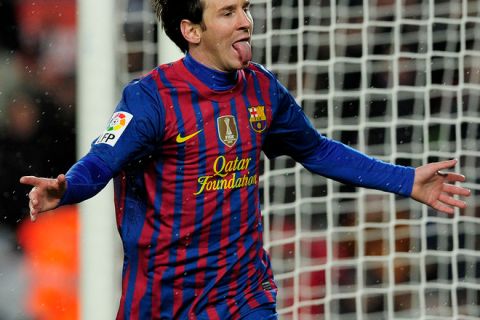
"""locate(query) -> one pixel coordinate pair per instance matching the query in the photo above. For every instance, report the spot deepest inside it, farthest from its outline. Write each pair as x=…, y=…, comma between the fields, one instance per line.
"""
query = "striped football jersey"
x=186, y=161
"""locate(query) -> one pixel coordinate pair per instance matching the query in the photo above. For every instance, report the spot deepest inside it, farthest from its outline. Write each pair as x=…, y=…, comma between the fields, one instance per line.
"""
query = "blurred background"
x=398, y=79
x=37, y=137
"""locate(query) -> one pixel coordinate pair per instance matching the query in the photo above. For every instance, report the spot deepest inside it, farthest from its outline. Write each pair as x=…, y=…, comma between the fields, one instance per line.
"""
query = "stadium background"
x=397, y=79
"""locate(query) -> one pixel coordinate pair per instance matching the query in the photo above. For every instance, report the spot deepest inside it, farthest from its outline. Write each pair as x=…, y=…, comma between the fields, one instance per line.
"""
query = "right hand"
x=45, y=194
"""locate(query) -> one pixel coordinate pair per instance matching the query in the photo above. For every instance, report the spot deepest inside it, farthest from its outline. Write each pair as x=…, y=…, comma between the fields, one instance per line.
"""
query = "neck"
x=214, y=79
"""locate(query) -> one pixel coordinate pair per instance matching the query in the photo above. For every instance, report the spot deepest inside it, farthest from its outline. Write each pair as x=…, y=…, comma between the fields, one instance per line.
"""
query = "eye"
x=246, y=6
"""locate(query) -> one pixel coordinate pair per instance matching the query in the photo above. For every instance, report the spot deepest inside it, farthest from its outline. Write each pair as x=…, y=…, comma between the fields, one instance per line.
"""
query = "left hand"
x=45, y=194
x=436, y=188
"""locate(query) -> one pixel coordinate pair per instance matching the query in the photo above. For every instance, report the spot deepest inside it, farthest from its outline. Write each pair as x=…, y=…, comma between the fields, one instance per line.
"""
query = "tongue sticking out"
x=244, y=51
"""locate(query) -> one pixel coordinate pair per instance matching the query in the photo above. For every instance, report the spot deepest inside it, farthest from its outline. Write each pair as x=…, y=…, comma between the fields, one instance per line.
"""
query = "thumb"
x=61, y=181
x=61, y=178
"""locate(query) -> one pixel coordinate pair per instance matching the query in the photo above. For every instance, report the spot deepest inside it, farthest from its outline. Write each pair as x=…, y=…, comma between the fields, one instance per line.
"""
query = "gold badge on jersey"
x=258, y=119
x=227, y=130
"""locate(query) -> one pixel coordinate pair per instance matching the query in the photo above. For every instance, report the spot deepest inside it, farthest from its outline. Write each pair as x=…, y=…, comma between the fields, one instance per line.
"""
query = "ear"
x=192, y=32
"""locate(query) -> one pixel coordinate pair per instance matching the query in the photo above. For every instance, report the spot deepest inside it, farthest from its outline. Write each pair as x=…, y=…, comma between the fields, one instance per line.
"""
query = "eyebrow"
x=232, y=6
x=227, y=8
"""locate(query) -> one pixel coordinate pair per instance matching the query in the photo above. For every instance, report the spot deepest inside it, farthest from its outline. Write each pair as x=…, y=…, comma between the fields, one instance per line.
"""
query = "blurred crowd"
x=37, y=97
x=37, y=122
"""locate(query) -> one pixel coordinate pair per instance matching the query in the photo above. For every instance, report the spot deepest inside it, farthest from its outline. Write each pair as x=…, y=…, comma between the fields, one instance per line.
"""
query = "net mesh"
x=399, y=80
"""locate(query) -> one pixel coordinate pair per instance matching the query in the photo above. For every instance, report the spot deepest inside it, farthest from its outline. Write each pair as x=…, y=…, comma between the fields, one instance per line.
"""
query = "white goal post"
x=397, y=79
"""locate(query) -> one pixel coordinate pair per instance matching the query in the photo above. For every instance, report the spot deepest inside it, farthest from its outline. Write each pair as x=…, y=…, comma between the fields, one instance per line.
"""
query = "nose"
x=245, y=20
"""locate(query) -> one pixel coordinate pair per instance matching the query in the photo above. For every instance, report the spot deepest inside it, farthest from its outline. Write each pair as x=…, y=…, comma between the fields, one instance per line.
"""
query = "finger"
x=451, y=176
x=451, y=201
x=33, y=204
x=30, y=180
x=33, y=216
x=33, y=212
x=452, y=189
x=33, y=196
x=442, y=165
x=455, y=177
x=30, y=206
x=442, y=174
x=439, y=206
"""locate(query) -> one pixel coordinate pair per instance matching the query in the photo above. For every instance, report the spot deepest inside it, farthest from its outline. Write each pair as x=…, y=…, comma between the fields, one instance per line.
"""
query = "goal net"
x=398, y=80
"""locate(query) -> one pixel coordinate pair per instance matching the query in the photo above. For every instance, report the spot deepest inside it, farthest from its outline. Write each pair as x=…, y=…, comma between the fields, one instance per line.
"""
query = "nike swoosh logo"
x=181, y=139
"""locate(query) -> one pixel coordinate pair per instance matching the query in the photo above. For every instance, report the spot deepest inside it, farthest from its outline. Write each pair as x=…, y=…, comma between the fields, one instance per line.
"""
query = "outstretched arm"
x=45, y=194
x=436, y=188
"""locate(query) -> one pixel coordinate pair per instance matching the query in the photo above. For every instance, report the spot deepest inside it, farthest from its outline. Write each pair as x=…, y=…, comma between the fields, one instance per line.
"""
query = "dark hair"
x=171, y=12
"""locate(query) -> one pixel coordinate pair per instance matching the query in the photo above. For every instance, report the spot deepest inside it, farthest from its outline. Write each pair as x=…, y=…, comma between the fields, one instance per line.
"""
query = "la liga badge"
x=115, y=128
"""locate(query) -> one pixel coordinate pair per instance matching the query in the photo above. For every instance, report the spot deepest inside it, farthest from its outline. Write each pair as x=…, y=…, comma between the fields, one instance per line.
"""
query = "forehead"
x=219, y=4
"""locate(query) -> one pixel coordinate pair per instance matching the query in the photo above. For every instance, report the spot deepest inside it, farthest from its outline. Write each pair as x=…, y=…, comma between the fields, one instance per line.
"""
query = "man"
x=184, y=148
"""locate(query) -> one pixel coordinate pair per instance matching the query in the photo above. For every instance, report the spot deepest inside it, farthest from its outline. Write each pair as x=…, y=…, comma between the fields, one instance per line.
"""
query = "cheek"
x=223, y=42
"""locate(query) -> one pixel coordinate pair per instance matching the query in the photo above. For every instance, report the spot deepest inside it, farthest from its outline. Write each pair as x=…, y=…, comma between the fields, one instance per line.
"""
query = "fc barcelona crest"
x=258, y=119
x=227, y=130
